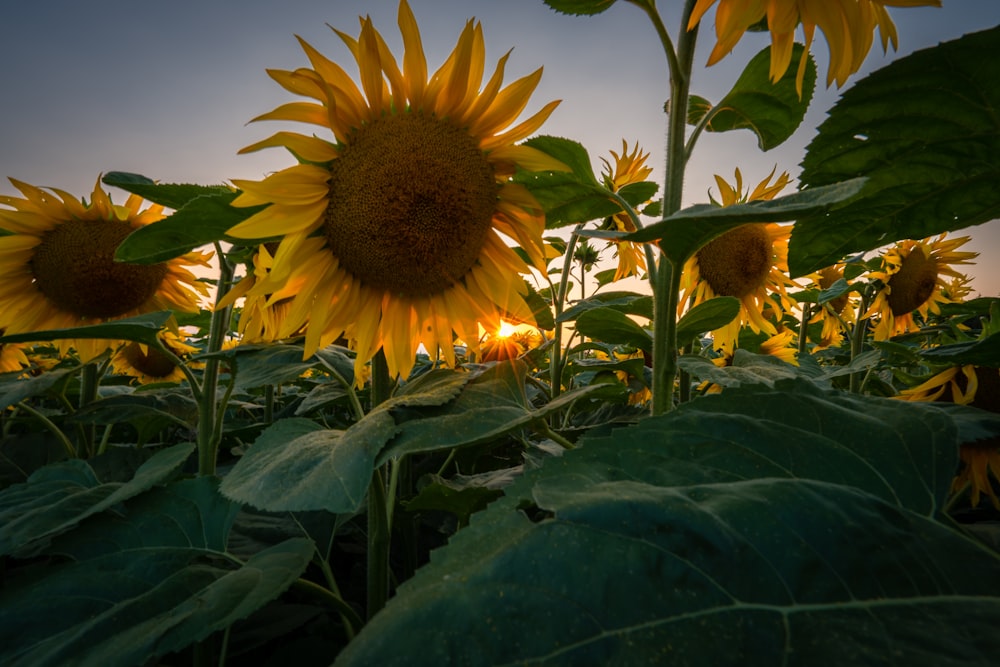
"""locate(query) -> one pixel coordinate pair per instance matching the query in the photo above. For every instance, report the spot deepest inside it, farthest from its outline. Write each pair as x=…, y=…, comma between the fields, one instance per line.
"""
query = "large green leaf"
x=575, y=196
x=141, y=329
x=983, y=352
x=297, y=465
x=611, y=326
x=707, y=316
x=925, y=130
x=57, y=497
x=15, y=388
x=171, y=195
x=144, y=585
x=580, y=7
x=202, y=221
x=683, y=233
x=776, y=526
x=490, y=406
x=772, y=111
x=626, y=302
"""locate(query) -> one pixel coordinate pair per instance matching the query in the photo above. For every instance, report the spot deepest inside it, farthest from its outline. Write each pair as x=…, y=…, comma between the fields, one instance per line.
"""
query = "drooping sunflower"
x=979, y=387
x=629, y=167
x=12, y=357
x=57, y=267
x=391, y=231
x=848, y=25
x=749, y=262
x=915, y=277
x=147, y=364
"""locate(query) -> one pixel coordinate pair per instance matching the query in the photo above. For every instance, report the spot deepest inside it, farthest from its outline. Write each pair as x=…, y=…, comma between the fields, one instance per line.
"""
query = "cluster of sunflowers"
x=413, y=238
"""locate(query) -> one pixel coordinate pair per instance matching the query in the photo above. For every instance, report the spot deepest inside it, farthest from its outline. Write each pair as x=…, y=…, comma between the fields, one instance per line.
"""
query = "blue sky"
x=166, y=88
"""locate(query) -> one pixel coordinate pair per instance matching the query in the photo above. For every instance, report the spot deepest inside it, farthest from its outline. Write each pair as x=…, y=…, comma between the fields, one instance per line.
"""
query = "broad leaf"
x=296, y=465
x=580, y=7
x=682, y=234
x=626, y=302
x=611, y=326
x=772, y=111
x=779, y=533
x=57, y=497
x=984, y=352
x=926, y=132
x=15, y=388
x=171, y=195
x=127, y=607
x=141, y=329
x=707, y=316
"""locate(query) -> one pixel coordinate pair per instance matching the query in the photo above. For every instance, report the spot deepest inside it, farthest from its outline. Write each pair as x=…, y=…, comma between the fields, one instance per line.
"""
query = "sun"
x=392, y=228
x=57, y=267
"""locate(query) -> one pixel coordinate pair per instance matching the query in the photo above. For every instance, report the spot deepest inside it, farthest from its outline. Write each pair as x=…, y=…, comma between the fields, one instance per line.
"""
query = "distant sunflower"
x=848, y=25
x=147, y=364
x=749, y=262
x=979, y=387
x=914, y=278
x=57, y=267
x=262, y=314
x=834, y=313
x=391, y=233
x=629, y=167
x=509, y=342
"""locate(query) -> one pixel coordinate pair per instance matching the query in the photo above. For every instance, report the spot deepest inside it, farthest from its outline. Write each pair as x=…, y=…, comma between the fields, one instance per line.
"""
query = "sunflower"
x=979, y=387
x=848, y=26
x=915, y=276
x=833, y=314
x=509, y=342
x=147, y=364
x=629, y=167
x=57, y=267
x=746, y=262
x=391, y=232
x=782, y=345
x=262, y=315
x=12, y=357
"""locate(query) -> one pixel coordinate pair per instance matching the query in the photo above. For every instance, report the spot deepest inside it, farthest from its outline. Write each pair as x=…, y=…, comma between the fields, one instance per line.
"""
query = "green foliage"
x=772, y=111
x=707, y=316
x=683, y=233
x=611, y=326
x=628, y=546
x=580, y=7
x=925, y=132
x=140, y=328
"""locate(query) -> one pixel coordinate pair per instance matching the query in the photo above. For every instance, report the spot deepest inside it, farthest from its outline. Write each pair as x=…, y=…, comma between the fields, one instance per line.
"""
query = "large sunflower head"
x=392, y=227
x=917, y=276
x=57, y=267
x=749, y=262
x=849, y=27
x=629, y=167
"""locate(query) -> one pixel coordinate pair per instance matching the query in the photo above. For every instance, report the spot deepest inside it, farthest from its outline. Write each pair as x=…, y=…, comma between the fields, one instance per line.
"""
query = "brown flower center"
x=913, y=284
x=153, y=363
x=412, y=199
x=74, y=268
x=738, y=262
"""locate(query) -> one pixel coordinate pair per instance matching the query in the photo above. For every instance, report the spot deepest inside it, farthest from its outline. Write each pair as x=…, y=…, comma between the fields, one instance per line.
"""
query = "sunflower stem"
x=666, y=288
x=378, y=503
x=555, y=363
x=49, y=424
x=88, y=394
x=208, y=407
x=803, y=327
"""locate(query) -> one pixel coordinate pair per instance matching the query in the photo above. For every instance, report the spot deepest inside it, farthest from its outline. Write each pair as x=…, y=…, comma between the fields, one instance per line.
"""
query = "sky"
x=165, y=89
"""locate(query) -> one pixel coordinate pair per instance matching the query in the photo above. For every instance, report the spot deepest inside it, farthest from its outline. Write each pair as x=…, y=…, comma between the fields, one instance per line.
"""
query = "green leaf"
x=926, y=133
x=141, y=329
x=490, y=406
x=57, y=497
x=127, y=607
x=171, y=195
x=772, y=111
x=433, y=388
x=580, y=7
x=539, y=308
x=572, y=197
x=462, y=497
x=297, y=465
x=682, y=234
x=747, y=369
x=983, y=352
x=774, y=524
x=626, y=302
x=14, y=388
x=611, y=326
x=201, y=221
x=707, y=316
x=148, y=412
x=260, y=365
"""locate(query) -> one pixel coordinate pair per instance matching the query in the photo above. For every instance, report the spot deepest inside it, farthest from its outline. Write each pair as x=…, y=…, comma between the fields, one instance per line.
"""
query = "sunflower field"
x=384, y=406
